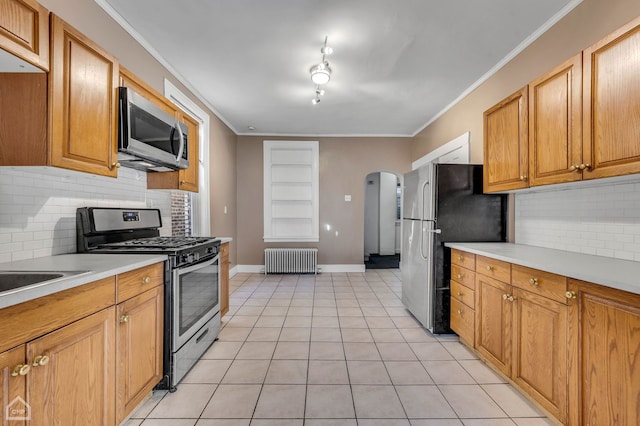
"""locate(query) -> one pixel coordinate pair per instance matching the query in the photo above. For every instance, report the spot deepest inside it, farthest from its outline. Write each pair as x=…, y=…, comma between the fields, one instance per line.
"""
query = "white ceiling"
x=397, y=64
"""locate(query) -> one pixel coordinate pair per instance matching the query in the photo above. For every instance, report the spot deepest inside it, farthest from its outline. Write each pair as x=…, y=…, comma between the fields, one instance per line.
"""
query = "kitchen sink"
x=11, y=280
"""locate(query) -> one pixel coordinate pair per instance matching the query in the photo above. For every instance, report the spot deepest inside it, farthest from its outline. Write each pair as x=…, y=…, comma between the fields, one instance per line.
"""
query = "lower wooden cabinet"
x=539, y=361
x=13, y=386
x=78, y=358
x=494, y=319
x=604, y=340
x=224, y=278
x=139, y=357
x=72, y=369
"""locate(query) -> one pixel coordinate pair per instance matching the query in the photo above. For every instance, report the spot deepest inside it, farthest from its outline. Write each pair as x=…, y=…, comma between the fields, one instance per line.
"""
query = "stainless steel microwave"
x=149, y=139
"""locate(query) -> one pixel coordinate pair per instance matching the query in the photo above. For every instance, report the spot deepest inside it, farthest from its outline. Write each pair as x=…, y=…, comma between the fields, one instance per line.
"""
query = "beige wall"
x=344, y=165
x=91, y=20
x=586, y=24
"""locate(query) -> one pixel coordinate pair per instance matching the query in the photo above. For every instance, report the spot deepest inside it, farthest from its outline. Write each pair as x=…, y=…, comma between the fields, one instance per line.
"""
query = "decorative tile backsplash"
x=38, y=206
x=602, y=220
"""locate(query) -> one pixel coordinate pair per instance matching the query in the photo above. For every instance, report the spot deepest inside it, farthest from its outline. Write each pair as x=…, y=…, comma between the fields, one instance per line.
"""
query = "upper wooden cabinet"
x=582, y=120
x=506, y=144
x=612, y=104
x=185, y=179
x=555, y=124
x=82, y=103
x=24, y=31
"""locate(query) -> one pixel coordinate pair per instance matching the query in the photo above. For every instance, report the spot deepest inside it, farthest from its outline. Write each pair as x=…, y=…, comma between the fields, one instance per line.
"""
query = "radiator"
x=290, y=260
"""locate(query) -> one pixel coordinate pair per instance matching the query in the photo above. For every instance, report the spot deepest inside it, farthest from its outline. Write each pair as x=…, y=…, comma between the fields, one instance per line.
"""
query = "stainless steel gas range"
x=192, y=278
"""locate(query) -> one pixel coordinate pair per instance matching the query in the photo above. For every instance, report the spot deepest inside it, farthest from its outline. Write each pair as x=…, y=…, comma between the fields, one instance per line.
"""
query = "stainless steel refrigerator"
x=442, y=203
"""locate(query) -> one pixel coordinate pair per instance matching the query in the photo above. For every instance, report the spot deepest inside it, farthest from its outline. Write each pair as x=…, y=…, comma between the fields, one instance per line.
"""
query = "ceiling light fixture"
x=321, y=73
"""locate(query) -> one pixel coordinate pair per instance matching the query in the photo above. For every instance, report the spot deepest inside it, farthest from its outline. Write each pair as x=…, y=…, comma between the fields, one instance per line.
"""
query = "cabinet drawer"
x=138, y=281
x=462, y=320
x=463, y=276
x=539, y=282
x=464, y=259
x=493, y=268
x=463, y=294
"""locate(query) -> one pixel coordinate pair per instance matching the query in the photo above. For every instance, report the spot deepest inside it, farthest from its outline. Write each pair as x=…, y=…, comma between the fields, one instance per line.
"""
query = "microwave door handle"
x=181, y=136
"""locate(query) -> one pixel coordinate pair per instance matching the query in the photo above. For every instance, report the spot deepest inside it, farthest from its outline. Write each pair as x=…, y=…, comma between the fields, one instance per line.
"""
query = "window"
x=199, y=203
x=291, y=191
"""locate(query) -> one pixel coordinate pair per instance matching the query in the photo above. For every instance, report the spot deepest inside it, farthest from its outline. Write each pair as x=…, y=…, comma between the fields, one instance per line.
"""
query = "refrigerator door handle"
x=435, y=231
x=422, y=246
x=424, y=213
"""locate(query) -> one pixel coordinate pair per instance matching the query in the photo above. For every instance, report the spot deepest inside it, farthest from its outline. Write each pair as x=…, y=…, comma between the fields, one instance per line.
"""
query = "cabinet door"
x=493, y=322
x=540, y=350
x=83, y=103
x=611, y=105
x=188, y=178
x=506, y=144
x=73, y=384
x=555, y=125
x=224, y=278
x=604, y=339
x=139, y=360
x=13, y=387
x=24, y=31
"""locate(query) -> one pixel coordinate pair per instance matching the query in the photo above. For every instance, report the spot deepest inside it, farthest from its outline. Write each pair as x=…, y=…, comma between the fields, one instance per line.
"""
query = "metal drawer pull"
x=508, y=298
x=460, y=258
x=459, y=293
x=570, y=295
x=533, y=281
x=460, y=276
x=146, y=280
x=459, y=311
x=490, y=268
x=124, y=318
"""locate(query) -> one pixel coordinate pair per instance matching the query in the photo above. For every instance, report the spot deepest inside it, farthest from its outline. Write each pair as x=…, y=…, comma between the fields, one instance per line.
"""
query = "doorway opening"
x=382, y=221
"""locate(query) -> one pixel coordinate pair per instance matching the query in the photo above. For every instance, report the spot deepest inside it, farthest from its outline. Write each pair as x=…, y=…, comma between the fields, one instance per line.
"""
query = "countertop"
x=614, y=273
x=97, y=266
x=224, y=239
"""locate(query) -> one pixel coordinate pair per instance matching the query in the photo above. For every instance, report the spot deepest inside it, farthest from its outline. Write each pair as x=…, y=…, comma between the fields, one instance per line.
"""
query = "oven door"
x=195, y=298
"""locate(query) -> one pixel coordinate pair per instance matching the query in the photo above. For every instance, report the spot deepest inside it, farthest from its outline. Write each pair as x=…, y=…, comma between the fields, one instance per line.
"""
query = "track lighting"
x=321, y=73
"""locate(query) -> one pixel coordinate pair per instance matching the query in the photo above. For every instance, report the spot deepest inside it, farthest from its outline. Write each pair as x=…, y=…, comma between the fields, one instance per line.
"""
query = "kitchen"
x=39, y=218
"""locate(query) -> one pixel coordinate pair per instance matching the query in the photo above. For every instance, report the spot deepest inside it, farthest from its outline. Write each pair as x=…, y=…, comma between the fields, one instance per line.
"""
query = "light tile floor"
x=333, y=350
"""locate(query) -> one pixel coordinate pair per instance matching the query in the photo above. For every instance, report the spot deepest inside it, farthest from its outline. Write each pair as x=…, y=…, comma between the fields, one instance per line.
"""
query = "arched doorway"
x=382, y=220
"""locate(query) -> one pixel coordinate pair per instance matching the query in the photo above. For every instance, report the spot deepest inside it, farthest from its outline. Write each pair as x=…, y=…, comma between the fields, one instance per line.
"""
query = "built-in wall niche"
x=291, y=191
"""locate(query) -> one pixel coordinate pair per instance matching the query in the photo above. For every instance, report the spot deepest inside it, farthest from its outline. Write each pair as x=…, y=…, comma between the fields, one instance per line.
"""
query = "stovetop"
x=169, y=243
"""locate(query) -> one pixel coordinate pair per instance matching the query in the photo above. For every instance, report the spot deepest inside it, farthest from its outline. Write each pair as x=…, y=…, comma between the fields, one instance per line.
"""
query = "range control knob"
x=186, y=258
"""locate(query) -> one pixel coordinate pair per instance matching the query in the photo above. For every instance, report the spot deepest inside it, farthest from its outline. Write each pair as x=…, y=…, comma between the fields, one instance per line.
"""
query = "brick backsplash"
x=38, y=206
x=603, y=220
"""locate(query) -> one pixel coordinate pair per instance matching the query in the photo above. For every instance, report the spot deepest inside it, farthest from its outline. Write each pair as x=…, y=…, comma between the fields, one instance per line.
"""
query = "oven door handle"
x=198, y=265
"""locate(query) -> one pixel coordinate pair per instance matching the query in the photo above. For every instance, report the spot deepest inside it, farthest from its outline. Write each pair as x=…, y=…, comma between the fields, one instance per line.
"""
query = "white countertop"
x=615, y=273
x=98, y=266
x=225, y=239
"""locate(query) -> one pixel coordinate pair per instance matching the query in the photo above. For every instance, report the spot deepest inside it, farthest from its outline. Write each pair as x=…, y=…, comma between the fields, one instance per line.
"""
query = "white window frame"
x=270, y=232
x=201, y=220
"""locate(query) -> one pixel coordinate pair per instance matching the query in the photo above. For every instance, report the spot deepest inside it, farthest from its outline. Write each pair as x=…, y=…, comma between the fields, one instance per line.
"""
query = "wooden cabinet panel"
x=493, y=268
x=540, y=282
x=139, y=358
x=13, y=385
x=506, y=144
x=82, y=103
x=31, y=319
x=463, y=276
x=605, y=343
x=493, y=322
x=76, y=386
x=462, y=320
x=540, y=350
x=463, y=293
x=464, y=259
x=140, y=280
x=611, y=105
x=555, y=124
x=224, y=278
x=24, y=31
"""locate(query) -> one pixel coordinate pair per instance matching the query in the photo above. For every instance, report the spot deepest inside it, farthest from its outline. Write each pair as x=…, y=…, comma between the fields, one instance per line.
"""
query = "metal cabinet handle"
x=40, y=360
x=20, y=370
x=533, y=281
x=570, y=295
x=146, y=280
x=490, y=268
x=124, y=318
x=460, y=276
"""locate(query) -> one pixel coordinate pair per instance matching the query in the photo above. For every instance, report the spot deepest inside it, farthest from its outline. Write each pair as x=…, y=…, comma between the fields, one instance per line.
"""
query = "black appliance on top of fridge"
x=443, y=203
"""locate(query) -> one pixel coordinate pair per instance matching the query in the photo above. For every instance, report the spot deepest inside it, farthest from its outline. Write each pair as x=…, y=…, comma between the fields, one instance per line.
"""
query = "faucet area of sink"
x=12, y=280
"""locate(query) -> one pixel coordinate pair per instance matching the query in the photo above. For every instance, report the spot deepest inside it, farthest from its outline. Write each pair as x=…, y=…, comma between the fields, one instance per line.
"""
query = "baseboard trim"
x=337, y=268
